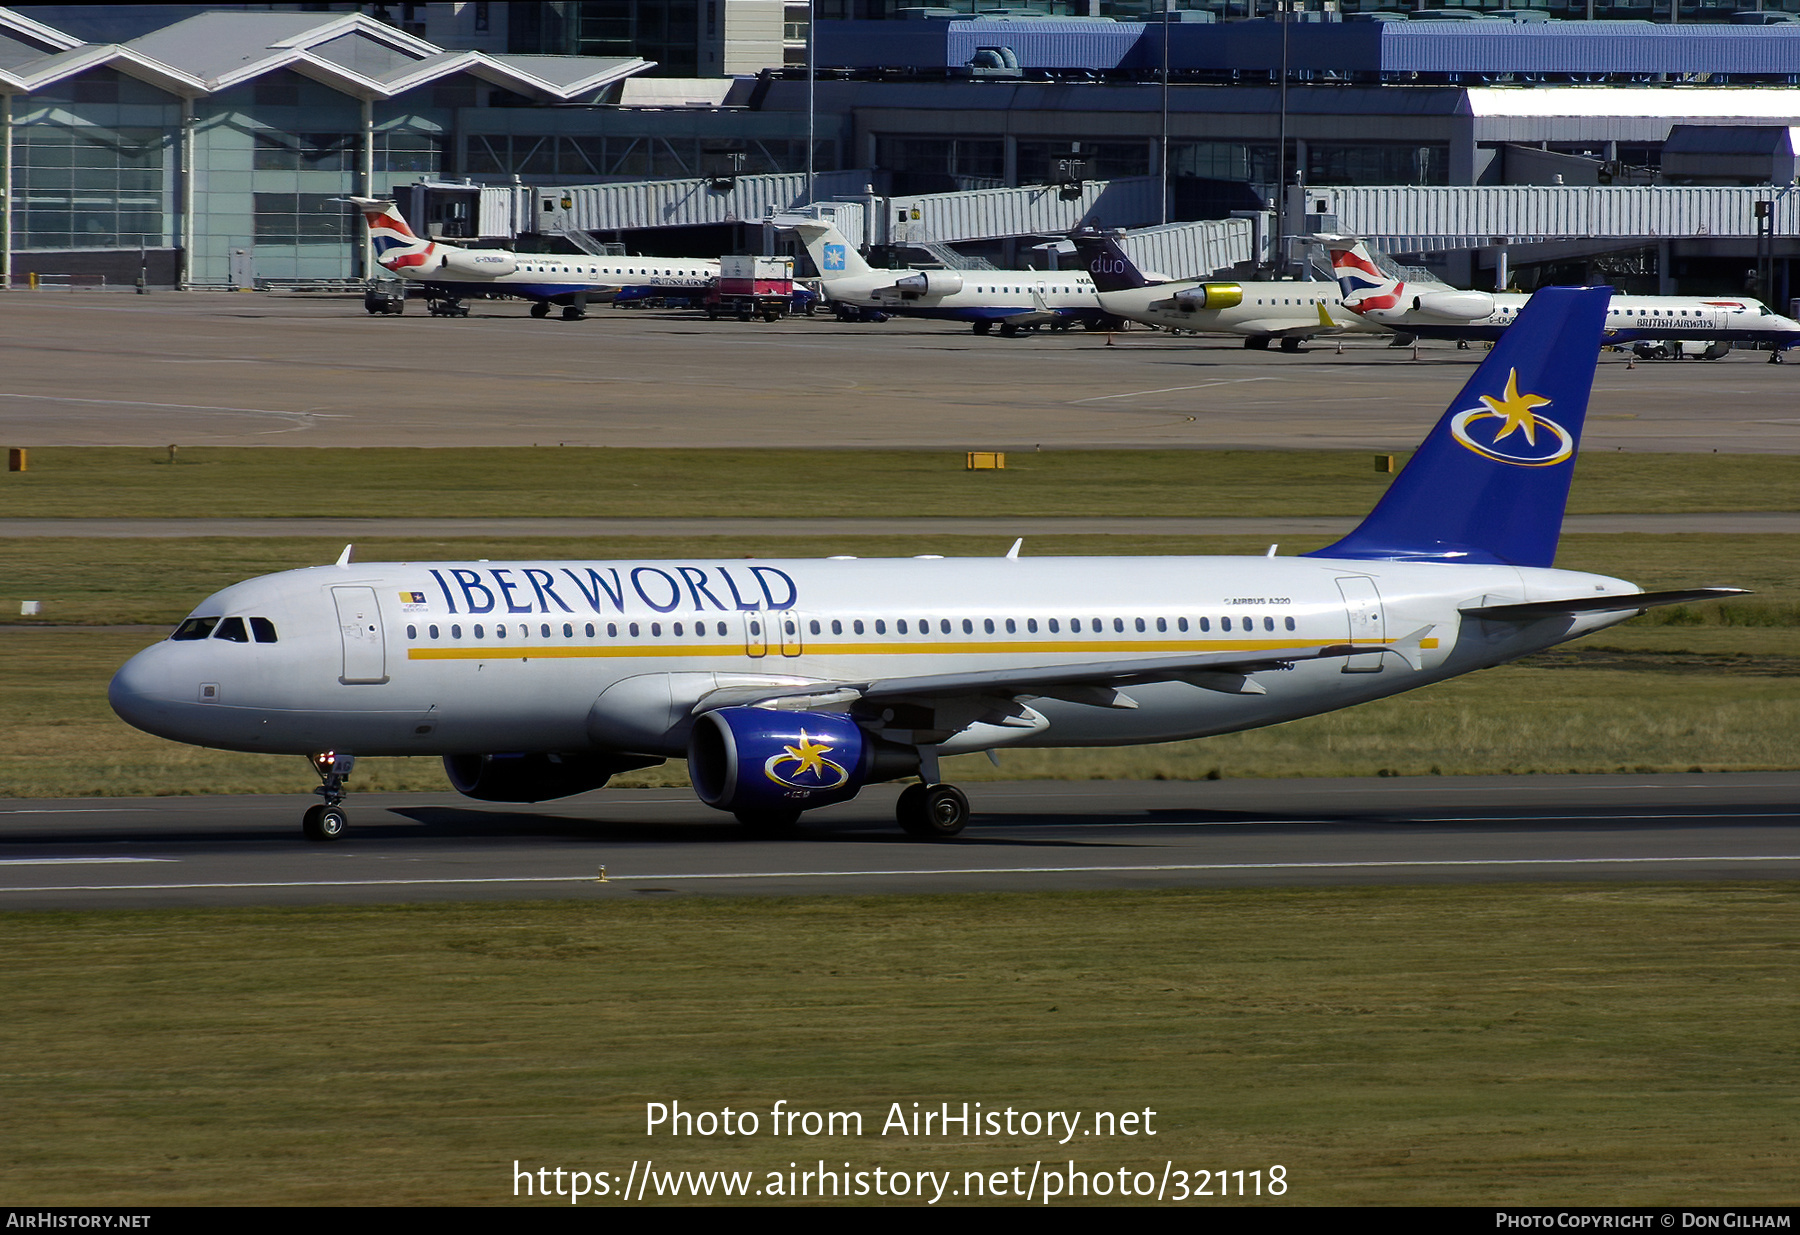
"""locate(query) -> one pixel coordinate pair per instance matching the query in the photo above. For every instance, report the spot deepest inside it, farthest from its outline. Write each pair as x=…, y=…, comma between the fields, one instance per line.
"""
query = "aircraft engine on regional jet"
x=1211, y=296
x=758, y=759
x=1458, y=306
x=930, y=283
x=478, y=263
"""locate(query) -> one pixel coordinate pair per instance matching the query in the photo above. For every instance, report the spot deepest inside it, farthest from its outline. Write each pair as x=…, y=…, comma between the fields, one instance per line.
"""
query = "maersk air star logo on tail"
x=1509, y=430
x=834, y=257
x=804, y=766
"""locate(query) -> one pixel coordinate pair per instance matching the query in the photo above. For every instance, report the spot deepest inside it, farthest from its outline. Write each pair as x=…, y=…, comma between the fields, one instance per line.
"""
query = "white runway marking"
x=1131, y=394
x=973, y=870
x=77, y=861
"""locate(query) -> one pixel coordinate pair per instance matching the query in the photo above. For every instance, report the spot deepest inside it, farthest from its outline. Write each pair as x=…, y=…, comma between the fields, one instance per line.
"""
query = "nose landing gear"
x=329, y=820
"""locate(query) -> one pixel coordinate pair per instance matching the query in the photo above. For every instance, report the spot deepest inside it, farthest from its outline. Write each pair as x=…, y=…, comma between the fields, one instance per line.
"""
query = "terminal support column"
x=6, y=193
x=184, y=280
x=366, y=173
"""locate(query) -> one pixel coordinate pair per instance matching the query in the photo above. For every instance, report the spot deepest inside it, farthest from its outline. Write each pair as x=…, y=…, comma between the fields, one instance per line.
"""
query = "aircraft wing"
x=1096, y=682
x=1275, y=329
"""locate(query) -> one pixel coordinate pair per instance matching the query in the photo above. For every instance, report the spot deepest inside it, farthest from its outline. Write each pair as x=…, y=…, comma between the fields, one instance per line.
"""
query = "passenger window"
x=1012, y=627
x=815, y=627
x=478, y=630
x=264, y=630
x=837, y=627
x=968, y=627
x=677, y=630
x=1119, y=625
x=857, y=626
x=612, y=630
x=1162, y=625
x=1075, y=626
x=944, y=626
x=1268, y=623
x=1140, y=626
x=881, y=627
x=232, y=628
x=194, y=628
x=656, y=630
x=412, y=632
x=456, y=632
x=1224, y=623
x=499, y=630
x=546, y=629
x=899, y=627
x=568, y=631
x=1290, y=623
x=254, y=621
x=1181, y=625
x=1053, y=629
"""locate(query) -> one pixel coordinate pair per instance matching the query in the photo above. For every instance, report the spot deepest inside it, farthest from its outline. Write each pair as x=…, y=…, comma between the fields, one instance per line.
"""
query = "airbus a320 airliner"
x=790, y=685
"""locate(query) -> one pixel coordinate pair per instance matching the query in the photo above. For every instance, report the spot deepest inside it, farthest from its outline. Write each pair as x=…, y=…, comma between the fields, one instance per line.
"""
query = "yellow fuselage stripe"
x=629, y=651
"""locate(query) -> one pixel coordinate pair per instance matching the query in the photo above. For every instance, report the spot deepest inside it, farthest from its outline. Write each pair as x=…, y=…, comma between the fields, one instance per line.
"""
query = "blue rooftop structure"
x=1368, y=52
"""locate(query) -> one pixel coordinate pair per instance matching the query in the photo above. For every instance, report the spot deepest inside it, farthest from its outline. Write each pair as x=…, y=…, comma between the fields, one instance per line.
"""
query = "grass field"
x=71, y=482
x=1516, y=1045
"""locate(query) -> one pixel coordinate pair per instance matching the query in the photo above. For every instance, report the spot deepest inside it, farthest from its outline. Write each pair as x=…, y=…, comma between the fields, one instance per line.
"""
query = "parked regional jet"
x=1289, y=311
x=450, y=273
x=790, y=685
x=1013, y=300
x=1439, y=311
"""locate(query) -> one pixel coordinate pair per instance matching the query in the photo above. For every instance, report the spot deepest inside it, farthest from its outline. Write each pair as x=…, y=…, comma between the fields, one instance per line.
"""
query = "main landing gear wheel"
x=325, y=823
x=768, y=822
x=573, y=313
x=1257, y=342
x=1290, y=345
x=932, y=810
x=984, y=327
x=540, y=309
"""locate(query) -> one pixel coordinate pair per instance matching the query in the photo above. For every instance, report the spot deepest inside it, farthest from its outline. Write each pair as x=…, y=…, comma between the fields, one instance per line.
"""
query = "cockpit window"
x=194, y=628
x=232, y=628
x=263, y=629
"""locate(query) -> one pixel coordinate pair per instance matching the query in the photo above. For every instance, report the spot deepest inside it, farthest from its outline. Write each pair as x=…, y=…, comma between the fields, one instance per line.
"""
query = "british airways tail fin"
x=1363, y=283
x=396, y=247
x=1111, y=266
x=1490, y=482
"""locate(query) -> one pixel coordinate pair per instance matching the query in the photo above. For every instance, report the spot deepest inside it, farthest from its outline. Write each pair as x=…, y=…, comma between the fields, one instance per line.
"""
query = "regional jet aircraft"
x=790, y=685
x=450, y=273
x=1289, y=311
x=1013, y=300
x=1439, y=311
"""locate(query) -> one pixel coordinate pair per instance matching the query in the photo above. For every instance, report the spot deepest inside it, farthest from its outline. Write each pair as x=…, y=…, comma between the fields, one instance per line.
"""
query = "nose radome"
x=142, y=690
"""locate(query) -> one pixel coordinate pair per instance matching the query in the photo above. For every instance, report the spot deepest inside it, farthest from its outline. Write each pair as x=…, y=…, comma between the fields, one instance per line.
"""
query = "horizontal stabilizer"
x=1531, y=611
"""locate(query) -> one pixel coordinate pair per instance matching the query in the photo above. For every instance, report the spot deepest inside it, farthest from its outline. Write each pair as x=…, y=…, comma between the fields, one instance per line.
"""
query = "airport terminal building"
x=216, y=149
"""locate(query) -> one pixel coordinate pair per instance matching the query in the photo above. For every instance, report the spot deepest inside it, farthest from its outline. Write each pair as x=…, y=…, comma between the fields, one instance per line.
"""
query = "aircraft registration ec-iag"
x=790, y=685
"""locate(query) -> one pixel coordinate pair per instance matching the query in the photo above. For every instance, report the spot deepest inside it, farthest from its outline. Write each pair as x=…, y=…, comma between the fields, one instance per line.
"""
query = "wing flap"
x=1099, y=683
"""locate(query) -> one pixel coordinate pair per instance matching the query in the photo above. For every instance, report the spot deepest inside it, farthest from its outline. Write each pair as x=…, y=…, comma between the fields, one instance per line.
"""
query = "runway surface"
x=1025, y=836
x=244, y=369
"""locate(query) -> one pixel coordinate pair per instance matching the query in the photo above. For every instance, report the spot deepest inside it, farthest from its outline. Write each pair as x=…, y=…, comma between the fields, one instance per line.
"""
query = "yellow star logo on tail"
x=1515, y=408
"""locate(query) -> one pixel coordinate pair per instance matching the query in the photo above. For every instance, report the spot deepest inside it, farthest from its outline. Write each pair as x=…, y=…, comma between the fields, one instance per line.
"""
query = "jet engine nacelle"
x=1457, y=306
x=1210, y=296
x=536, y=776
x=476, y=263
x=757, y=759
x=929, y=283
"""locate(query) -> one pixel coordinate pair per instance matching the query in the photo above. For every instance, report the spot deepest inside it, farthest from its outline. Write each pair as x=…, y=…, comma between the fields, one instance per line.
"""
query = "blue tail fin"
x=1490, y=482
x=1112, y=268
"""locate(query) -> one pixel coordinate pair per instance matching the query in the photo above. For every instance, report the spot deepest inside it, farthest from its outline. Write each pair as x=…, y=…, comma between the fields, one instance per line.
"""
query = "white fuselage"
x=981, y=294
x=1486, y=315
x=447, y=658
x=1275, y=309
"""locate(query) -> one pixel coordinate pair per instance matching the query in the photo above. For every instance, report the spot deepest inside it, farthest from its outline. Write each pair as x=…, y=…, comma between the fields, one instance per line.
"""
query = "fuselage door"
x=1368, y=623
x=790, y=631
x=359, y=624
x=756, y=634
